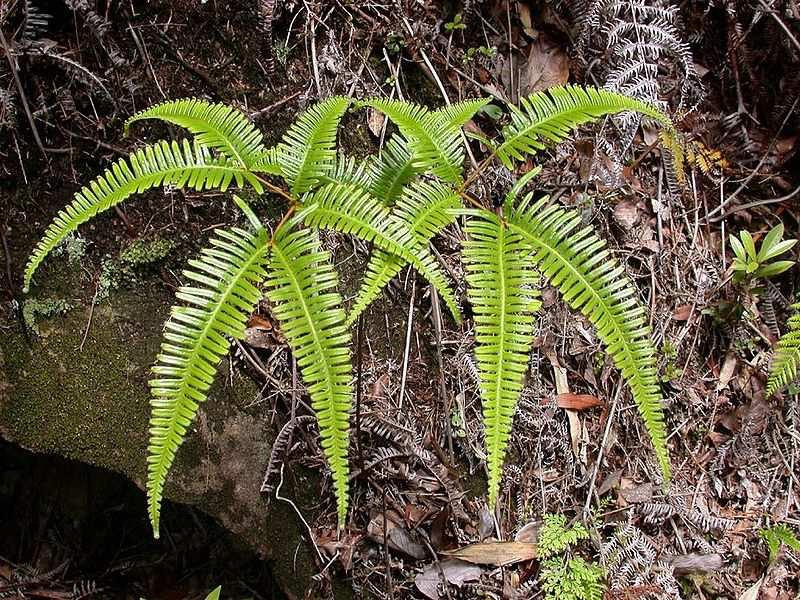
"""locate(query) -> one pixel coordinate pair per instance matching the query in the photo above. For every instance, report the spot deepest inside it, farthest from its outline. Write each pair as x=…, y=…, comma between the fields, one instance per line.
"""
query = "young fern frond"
x=163, y=163
x=500, y=287
x=350, y=210
x=216, y=126
x=196, y=337
x=308, y=149
x=303, y=288
x=457, y=115
x=426, y=209
x=268, y=162
x=349, y=170
x=435, y=144
x=786, y=362
x=577, y=262
x=393, y=170
x=548, y=117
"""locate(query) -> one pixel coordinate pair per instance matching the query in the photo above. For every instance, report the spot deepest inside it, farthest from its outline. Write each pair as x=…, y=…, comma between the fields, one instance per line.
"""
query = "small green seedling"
x=750, y=264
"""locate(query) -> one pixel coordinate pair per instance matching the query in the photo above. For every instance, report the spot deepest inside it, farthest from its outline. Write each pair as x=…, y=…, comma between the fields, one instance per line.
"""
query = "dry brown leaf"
x=457, y=572
x=578, y=401
x=728, y=369
x=547, y=66
x=375, y=121
x=499, y=554
x=626, y=214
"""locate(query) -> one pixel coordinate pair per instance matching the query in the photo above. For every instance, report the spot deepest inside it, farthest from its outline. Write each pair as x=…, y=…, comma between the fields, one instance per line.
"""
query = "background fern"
x=783, y=370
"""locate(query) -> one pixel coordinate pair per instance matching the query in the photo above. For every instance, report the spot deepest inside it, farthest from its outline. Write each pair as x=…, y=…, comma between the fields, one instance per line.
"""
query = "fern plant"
x=566, y=577
x=786, y=361
x=399, y=201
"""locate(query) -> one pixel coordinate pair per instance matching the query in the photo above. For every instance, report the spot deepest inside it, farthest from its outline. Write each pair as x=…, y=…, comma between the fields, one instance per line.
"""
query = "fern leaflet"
x=308, y=149
x=787, y=356
x=499, y=287
x=216, y=126
x=303, y=287
x=196, y=337
x=350, y=210
x=163, y=163
x=425, y=208
x=577, y=262
x=457, y=115
x=549, y=116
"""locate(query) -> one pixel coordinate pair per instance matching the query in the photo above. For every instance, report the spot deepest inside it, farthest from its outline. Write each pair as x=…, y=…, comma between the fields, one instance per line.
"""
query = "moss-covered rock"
x=79, y=389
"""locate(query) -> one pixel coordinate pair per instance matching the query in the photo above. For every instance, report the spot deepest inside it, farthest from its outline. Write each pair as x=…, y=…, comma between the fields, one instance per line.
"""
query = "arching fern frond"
x=196, y=337
x=308, y=149
x=426, y=209
x=393, y=170
x=303, y=287
x=786, y=362
x=216, y=126
x=435, y=145
x=548, y=117
x=350, y=210
x=577, y=262
x=500, y=287
x=163, y=163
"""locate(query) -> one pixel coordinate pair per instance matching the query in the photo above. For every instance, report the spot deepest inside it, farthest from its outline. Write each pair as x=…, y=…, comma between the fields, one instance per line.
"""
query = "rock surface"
x=84, y=395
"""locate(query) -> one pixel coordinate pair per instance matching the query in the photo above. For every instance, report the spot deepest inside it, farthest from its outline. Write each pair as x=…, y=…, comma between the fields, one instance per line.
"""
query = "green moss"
x=34, y=309
x=145, y=252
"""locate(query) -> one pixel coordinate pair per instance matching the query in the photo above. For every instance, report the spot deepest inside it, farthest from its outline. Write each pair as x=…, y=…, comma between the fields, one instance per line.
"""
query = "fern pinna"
x=398, y=201
x=786, y=361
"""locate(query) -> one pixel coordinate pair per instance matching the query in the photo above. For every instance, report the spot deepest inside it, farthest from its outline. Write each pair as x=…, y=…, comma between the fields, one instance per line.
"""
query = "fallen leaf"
x=626, y=214
x=578, y=401
x=728, y=368
x=635, y=494
x=457, y=573
x=752, y=592
x=547, y=66
x=524, y=12
x=529, y=532
x=485, y=523
x=499, y=554
x=375, y=121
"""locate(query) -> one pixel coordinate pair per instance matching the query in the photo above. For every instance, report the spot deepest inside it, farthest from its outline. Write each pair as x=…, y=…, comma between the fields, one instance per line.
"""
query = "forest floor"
x=730, y=73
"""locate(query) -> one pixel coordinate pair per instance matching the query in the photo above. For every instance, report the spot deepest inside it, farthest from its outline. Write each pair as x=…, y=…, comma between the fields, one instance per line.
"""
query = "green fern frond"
x=500, y=290
x=393, y=170
x=426, y=209
x=787, y=356
x=303, y=287
x=196, y=337
x=268, y=162
x=216, y=126
x=436, y=146
x=350, y=210
x=308, y=149
x=547, y=118
x=163, y=163
x=578, y=263
x=457, y=115
x=350, y=170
